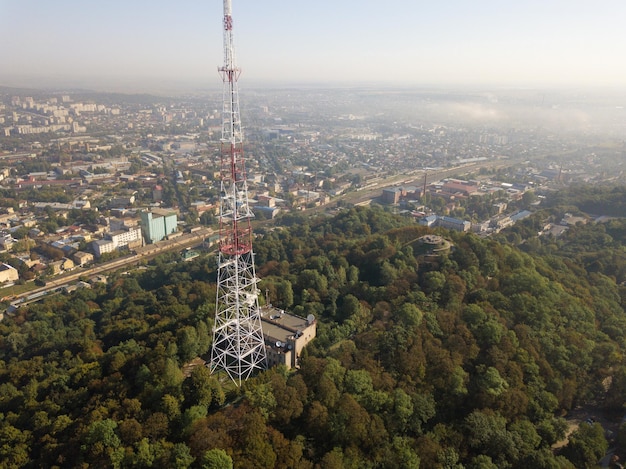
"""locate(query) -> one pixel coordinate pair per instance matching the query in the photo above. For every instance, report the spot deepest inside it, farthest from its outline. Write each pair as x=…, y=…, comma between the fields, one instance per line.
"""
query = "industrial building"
x=445, y=222
x=158, y=225
x=286, y=335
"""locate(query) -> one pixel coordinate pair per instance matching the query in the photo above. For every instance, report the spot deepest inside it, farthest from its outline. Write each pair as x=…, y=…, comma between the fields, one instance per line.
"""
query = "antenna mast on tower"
x=238, y=346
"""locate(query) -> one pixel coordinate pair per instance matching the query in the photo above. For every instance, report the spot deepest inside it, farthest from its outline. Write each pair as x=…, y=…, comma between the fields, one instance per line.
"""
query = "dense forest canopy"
x=468, y=359
x=592, y=199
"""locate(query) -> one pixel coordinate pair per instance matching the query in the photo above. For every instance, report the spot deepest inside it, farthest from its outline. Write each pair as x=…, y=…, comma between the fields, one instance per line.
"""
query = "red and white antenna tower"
x=238, y=346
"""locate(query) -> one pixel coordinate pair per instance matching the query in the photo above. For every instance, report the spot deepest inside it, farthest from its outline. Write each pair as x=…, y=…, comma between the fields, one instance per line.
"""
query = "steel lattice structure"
x=238, y=344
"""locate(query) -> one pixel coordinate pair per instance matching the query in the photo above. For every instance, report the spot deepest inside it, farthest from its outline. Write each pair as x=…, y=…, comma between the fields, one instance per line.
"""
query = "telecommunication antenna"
x=238, y=346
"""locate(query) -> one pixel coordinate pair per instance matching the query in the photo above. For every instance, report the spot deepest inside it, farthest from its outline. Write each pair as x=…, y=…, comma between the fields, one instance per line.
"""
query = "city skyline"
x=155, y=46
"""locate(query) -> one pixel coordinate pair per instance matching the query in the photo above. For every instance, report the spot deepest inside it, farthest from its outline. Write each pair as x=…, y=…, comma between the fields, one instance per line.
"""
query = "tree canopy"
x=467, y=360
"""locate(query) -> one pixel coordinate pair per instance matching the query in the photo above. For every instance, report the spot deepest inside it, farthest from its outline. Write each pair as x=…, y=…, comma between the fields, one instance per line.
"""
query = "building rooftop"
x=279, y=325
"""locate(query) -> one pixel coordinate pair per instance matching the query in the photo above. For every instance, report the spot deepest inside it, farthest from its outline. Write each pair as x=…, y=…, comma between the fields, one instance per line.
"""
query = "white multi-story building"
x=102, y=246
x=129, y=237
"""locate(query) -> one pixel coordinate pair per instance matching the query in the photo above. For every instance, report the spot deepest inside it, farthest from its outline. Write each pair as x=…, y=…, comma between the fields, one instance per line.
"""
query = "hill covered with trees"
x=468, y=359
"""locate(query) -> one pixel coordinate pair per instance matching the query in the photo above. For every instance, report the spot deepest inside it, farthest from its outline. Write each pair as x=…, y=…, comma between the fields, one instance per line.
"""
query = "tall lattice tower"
x=238, y=345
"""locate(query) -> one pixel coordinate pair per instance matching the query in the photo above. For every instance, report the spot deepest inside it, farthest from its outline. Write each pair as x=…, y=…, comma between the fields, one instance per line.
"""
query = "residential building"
x=62, y=265
x=517, y=216
x=81, y=258
x=129, y=237
x=102, y=246
x=157, y=193
x=480, y=227
x=8, y=273
x=6, y=241
x=122, y=201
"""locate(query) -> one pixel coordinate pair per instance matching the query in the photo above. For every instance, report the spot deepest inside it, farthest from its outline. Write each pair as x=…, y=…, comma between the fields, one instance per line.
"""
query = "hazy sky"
x=408, y=42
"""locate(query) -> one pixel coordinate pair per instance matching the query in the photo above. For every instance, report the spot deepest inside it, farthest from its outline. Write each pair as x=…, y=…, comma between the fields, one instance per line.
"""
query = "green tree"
x=433, y=282
x=102, y=440
x=410, y=315
x=181, y=457
x=586, y=446
x=144, y=455
x=284, y=293
x=201, y=388
x=14, y=446
x=312, y=279
x=487, y=434
x=350, y=306
x=216, y=459
x=482, y=461
x=262, y=398
x=188, y=344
